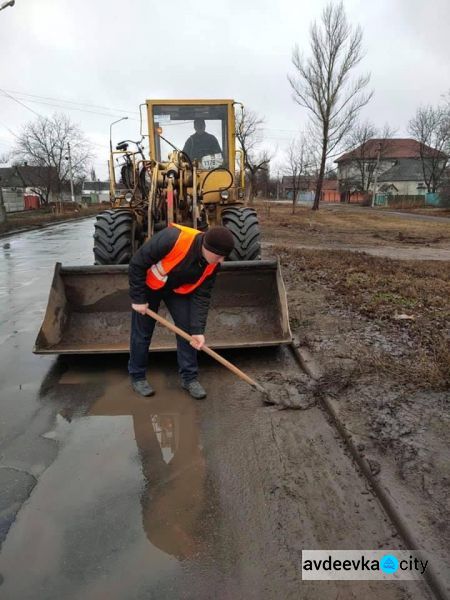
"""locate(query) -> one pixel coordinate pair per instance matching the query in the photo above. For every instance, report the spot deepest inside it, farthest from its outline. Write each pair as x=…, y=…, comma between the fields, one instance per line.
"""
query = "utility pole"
x=4, y=5
x=70, y=174
x=278, y=185
x=375, y=177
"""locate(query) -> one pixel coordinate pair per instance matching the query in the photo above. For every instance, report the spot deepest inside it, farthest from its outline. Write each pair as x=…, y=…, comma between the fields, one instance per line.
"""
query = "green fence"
x=409, y=201
x=381, y=200
x=433, y=199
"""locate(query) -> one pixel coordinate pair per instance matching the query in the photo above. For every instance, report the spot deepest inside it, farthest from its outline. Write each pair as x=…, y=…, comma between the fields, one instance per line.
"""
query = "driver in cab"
x=201, y=143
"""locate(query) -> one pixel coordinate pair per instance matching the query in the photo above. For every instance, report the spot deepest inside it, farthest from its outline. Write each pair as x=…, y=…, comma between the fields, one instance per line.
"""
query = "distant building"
x=95, y=191
x=307, y=187
x=399, y=170
x=17, y=182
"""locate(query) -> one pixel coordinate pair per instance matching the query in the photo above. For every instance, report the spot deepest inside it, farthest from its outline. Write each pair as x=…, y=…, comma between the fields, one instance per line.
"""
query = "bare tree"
x=298, y=165
x=431, y=128
x=249, y=135
x=361, y=139
x=322, y=83
x=257, y=169
x=43, y=143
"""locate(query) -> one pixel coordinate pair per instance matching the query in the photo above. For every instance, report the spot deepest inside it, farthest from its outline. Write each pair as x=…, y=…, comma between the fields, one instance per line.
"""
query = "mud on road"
x=168, y=498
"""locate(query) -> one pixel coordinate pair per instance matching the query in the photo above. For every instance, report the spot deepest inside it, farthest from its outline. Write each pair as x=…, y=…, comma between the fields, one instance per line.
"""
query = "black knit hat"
x=219, y=240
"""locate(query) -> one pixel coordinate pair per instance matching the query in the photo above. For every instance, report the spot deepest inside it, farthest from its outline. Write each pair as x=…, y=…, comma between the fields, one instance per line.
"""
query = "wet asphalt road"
x=108, y=495
x=89, y=451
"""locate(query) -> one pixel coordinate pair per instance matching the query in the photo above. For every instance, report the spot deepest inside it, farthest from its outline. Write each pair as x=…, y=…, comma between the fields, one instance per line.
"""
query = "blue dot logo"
x=389, y=564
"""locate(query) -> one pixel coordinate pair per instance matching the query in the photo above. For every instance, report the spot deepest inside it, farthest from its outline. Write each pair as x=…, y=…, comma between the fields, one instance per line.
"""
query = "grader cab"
x=194, y=176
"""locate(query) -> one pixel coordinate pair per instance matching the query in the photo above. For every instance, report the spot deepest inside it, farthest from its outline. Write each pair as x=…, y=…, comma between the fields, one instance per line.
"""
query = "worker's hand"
x=198, y=341
x=140, y=308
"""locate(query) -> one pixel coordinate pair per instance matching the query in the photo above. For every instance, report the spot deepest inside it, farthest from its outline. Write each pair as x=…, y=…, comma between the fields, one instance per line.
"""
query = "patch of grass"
x=393, y=299
x=351, y=221
x=380, y=289
x=357, y=278
x=428, y=367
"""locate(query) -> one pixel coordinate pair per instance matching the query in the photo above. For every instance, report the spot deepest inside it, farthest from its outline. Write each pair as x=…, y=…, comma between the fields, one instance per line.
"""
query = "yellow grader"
x=179, y=183
x=194, y=176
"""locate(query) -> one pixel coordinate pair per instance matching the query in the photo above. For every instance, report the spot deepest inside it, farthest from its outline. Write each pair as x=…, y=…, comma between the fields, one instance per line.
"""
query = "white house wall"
x=404, y=188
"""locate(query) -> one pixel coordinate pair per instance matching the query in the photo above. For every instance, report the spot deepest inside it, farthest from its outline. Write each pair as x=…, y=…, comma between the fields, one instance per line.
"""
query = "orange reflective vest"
x=157, y=274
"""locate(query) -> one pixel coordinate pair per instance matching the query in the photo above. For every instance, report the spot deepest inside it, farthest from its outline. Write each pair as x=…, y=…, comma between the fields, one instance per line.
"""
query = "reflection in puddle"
x=127, y=509
x=167, y=439
x=165, y=428
x=174, y=469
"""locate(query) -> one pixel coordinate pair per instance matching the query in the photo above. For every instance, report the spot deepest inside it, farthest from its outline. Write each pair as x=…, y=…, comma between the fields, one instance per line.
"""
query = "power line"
x=19, y=102
x=109, y=115
x=39, y=100
x=134, y=112
x=57, y=104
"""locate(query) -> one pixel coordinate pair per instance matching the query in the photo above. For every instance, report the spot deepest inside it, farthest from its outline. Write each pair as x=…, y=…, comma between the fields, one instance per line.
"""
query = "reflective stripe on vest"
x=157, y=274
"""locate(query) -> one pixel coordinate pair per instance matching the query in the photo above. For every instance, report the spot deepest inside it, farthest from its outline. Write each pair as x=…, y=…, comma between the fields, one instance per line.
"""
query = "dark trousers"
x=142, y=327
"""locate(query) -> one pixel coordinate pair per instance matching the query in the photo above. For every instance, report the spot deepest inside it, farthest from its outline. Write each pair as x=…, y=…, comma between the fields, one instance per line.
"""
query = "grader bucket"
x=88, y=310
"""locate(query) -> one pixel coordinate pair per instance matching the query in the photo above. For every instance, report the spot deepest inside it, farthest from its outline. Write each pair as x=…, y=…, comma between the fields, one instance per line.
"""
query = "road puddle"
x=167, y=439
x=124, y=502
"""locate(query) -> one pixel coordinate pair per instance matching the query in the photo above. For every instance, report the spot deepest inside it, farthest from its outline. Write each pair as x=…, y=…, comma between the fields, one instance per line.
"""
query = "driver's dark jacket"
x=189, y=270
x=202, y=144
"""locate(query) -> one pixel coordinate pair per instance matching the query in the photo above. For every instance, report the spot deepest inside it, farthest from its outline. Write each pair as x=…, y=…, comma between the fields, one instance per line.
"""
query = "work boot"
x=142, y=387
x=195, y=389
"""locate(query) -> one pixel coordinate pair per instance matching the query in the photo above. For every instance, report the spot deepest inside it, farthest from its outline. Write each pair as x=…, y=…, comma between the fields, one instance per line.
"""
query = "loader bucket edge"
x=88, y=310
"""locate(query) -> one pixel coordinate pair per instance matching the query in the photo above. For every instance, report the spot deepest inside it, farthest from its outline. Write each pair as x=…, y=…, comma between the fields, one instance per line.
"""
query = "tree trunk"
x=252, y=187
x=320, y=177
x=2, y=208
x=250, y=191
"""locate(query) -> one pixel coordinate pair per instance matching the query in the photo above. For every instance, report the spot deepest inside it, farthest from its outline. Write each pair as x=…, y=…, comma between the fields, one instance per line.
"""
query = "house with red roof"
x=395, y=166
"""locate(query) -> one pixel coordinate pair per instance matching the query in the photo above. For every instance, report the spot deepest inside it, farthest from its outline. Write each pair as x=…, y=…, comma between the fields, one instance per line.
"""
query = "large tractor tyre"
x=243, y=224
x=114, y=237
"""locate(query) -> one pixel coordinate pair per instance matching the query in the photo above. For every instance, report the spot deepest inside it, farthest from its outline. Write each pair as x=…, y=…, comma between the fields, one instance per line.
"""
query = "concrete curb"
x=310, y=366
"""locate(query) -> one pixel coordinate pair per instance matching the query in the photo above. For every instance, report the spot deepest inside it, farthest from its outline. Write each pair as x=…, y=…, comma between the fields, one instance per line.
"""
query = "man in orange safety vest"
x=178, y=266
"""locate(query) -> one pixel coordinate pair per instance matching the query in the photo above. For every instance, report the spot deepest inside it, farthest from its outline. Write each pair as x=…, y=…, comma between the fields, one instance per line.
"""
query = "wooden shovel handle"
x=206, y=349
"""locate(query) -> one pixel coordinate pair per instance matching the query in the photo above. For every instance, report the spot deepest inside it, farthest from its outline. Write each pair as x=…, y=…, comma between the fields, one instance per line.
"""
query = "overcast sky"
x=97, y=60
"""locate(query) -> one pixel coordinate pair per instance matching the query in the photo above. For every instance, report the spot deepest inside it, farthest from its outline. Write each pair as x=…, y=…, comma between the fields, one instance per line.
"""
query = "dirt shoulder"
x=380, y=329
x=355, y=228
x=27, y=220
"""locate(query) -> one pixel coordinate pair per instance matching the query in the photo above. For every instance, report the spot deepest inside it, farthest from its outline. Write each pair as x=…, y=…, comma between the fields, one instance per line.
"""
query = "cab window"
x=200, y=131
